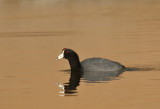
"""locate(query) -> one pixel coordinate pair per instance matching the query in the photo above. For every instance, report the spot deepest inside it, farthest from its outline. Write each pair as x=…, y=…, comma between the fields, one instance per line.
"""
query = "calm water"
x=33, y=33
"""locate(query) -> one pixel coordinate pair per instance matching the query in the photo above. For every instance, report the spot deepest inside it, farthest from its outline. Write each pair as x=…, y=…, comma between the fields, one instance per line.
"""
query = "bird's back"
x=100, y=64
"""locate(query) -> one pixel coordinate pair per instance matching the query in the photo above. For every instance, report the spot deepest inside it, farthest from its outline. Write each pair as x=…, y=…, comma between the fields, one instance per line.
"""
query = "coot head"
x=71, y=56
x=67, y=54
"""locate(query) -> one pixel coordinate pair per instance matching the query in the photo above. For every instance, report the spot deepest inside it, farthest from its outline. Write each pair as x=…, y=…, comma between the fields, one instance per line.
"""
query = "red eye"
x=66, y=51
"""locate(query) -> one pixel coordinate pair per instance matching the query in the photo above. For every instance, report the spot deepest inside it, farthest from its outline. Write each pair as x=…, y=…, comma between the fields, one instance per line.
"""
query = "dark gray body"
x=101, y=65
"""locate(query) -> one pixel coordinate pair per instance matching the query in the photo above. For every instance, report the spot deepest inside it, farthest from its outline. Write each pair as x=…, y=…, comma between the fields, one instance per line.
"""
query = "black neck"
x=74, y=62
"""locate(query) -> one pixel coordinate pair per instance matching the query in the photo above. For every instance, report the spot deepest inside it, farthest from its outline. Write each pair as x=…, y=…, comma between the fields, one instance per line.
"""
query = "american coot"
x=90, y=64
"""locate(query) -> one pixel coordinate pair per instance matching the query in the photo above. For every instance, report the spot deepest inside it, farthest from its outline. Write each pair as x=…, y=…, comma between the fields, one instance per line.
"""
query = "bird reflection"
x=70, y=87
x=101, y=76
x=78, y=75
x=93, y=77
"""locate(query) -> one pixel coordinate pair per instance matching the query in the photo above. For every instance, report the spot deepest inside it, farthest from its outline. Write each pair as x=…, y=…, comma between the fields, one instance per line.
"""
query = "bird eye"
x=66, y=51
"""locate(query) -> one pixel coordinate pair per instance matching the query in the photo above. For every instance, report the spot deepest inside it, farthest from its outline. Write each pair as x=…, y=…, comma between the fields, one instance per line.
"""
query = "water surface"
x=33, y=33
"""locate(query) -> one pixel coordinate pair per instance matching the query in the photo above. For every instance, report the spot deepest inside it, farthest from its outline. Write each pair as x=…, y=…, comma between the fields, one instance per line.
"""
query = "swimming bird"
x=94, y=64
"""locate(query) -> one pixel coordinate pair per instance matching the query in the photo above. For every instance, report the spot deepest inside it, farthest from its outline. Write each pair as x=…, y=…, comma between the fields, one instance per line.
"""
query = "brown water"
x=33, y=33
